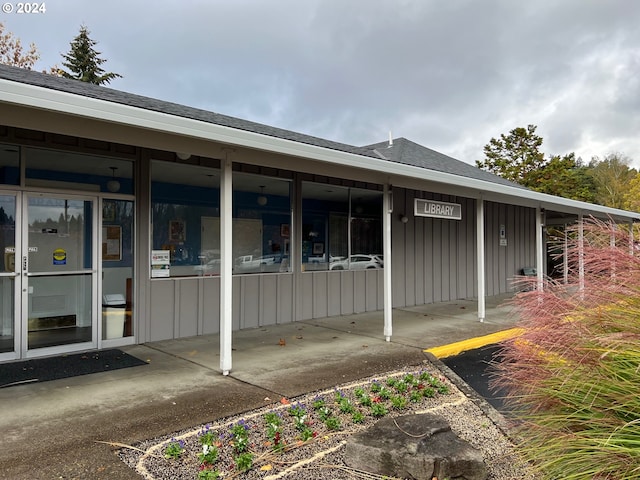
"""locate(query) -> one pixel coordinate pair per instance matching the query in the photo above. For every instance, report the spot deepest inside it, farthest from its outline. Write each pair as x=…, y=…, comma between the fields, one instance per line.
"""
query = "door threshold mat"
x=65, y=366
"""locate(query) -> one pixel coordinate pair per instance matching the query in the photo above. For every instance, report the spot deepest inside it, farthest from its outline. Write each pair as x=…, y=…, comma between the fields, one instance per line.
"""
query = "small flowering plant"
x=174, y=449
x=240, y=436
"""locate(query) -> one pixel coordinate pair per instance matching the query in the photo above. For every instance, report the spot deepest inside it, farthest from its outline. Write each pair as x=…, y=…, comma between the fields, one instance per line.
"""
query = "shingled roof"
x=403, y=151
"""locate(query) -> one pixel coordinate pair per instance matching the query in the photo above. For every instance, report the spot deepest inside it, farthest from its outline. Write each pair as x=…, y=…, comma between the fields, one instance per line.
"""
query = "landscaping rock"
x=420, y=446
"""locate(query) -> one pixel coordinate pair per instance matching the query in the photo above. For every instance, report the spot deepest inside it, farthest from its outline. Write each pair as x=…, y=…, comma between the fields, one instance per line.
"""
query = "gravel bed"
x=321, y=456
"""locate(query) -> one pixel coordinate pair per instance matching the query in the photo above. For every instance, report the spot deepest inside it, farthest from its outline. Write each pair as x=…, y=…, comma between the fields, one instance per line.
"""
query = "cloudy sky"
x=448, y=74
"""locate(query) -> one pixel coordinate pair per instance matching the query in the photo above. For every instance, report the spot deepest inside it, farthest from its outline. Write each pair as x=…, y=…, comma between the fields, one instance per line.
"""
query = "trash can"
x=113, y=315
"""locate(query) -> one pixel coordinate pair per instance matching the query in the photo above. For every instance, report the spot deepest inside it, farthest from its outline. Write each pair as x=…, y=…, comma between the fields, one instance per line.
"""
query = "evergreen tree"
x=514, y=156
x=83, y=61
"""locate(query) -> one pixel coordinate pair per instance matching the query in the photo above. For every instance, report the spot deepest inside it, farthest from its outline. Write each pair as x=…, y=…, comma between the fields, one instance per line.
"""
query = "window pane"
x=185, y=202
x=341, y=228
x=117, y=268
x=261, y=224
x=9, y=164
x=60, y=169
x=325, y=222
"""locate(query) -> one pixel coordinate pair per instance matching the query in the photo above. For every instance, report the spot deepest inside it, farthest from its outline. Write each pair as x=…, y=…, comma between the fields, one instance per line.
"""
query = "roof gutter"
x=73, y=104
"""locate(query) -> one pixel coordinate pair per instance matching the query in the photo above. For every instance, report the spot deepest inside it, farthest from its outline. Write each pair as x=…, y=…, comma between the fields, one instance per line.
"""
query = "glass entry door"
x=8, y=273
x=58, y=274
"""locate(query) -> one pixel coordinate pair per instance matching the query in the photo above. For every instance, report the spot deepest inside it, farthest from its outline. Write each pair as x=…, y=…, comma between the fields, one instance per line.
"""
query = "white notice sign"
x=160, y=263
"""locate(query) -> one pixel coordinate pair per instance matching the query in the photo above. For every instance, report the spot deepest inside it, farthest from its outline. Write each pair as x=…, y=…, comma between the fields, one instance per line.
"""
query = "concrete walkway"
x=53, y=429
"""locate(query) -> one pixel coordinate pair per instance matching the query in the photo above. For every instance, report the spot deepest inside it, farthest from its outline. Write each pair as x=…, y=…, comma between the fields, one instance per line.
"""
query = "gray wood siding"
x=435, y=260
x=505, y=262
x=184, y=307
x=339, y=292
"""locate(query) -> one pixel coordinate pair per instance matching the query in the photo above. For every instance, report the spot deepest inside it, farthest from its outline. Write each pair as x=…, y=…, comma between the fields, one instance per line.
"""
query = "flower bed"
x=303, y=438
x=269, y=440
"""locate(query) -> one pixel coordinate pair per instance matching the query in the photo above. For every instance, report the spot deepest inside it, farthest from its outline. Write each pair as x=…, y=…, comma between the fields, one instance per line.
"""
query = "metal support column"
x=540, y=253
x=480, y=259
x=226, y=265
x=387, y=210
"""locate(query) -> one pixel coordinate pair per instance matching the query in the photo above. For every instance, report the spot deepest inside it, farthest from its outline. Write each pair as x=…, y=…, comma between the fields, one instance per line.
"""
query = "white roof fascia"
x=73, y=104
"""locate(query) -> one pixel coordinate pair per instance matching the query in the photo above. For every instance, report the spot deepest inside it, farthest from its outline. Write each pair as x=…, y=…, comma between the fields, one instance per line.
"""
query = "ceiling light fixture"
x=262, y=199
x=113, y=185
x=183, y=156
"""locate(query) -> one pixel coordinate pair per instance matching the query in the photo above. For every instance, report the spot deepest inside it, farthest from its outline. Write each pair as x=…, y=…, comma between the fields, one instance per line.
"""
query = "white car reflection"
x=356, y=262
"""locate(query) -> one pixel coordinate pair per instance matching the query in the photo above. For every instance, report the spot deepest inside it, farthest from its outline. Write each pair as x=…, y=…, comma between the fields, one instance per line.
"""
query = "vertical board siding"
x=305, y=296
x=418, y=271
x=162, y=310
x=211, y=305
x=410, y=256
x=335, y=291
x=285, y=299
x=438, y=257
x=268, y=300
x=347, y=292
x=187, y=318
x=320, y=295
x=359, y=291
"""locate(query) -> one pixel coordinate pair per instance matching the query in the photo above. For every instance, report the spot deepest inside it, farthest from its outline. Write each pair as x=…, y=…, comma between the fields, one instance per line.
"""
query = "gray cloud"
x=449, y=75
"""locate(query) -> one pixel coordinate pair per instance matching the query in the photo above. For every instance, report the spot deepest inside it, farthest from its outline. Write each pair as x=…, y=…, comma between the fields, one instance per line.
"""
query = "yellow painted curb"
x=477, y=342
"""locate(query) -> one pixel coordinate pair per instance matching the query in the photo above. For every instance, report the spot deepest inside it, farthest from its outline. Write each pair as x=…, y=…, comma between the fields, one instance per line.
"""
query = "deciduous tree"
x=13, y=53
x=631, y=199
x=611, y=176
x=84, y=62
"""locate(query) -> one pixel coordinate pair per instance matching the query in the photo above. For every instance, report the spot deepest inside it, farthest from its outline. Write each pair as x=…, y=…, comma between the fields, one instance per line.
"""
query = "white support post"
x=480, y=259
x=565, y=257
x=226, y=264
x=581, y=253
x=539, y=249
x=631, y=237
x=387, y=210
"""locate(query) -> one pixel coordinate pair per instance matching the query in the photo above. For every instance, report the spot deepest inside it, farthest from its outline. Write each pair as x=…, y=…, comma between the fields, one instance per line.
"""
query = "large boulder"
x=418, y=446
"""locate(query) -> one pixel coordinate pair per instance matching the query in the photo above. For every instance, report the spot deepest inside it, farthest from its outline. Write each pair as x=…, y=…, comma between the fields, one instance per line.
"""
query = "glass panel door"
x=58, y=274
x=7, y=273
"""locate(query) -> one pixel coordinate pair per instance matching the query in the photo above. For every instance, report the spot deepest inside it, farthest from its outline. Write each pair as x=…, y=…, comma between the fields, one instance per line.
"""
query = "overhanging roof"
x=45, y=92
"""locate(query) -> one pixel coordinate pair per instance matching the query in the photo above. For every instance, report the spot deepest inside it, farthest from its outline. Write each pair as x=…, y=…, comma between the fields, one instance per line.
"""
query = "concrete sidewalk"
x=52, y=429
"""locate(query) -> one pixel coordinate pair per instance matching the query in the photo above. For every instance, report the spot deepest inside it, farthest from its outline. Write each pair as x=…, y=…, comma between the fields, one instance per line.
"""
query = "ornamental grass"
x=572, y=380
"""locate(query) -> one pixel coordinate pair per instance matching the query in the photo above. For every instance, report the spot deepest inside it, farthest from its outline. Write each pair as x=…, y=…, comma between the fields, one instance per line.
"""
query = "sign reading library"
x=431, y=208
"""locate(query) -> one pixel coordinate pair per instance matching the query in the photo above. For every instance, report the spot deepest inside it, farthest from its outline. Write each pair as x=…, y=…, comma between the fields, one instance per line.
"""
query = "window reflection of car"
x=247, y=263
x=356, y=262
x=208, y=268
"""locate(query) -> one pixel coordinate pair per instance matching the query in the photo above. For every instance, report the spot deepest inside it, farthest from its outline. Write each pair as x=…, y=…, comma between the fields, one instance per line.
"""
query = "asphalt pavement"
x=474, y=368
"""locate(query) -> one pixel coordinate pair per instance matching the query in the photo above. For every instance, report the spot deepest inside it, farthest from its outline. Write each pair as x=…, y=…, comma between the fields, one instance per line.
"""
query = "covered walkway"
x=181, y=386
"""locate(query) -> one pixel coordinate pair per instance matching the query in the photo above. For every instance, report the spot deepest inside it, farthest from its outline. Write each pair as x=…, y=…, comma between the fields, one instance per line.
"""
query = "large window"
x=186, y=221
x=341, y=228
x=261, y=224
x=185, y=206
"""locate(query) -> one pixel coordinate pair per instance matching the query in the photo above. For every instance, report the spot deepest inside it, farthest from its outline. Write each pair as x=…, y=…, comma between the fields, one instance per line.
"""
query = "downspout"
x=480, y=259
x=387, y=210
x=226, y=264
